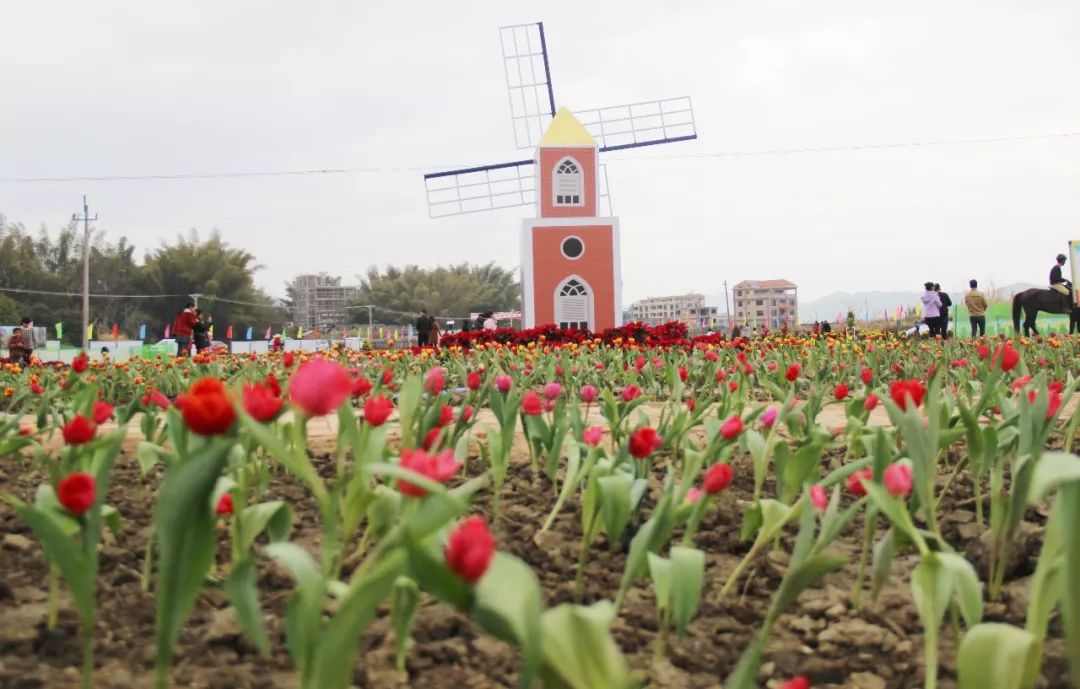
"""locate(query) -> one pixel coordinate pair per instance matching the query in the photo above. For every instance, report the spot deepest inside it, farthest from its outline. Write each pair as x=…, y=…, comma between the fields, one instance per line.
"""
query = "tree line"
x=52, y=262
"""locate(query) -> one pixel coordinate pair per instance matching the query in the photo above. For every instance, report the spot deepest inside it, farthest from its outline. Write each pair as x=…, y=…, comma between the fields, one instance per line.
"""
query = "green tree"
x=453, y=291
x=225, y=275
x=10, y=314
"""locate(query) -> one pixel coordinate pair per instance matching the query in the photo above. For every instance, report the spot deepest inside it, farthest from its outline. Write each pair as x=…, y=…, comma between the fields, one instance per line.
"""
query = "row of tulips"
x=396, y=522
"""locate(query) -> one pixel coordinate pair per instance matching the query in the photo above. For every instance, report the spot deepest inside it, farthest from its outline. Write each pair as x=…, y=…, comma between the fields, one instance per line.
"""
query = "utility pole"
x=727, y=306
x=85, y=270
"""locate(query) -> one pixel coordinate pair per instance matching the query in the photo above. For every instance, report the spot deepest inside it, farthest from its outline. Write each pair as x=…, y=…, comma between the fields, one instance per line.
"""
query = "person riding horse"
x=1057, y=299
x=1058, y=283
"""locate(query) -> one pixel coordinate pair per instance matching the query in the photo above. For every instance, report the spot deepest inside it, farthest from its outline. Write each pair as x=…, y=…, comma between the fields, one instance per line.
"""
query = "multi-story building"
x=319, y=301
x=769, y=303
x=687, y=308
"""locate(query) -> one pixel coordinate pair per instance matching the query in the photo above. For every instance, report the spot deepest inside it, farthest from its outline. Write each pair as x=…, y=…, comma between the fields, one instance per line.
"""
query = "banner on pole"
x=142, y=331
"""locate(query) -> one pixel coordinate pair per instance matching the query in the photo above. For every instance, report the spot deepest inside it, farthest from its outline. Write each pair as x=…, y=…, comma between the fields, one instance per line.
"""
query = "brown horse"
x=1032, y=301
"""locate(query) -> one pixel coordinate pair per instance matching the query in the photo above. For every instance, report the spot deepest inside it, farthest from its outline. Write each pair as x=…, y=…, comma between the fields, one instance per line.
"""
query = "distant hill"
x=827, y=307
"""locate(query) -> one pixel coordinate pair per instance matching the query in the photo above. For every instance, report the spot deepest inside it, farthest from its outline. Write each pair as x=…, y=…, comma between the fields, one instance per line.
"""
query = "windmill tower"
x=570, y=268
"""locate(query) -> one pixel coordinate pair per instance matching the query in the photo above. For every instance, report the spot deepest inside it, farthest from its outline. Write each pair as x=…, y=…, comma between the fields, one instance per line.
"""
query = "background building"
x=769, y=303
x=687, y=308
x=319, y=301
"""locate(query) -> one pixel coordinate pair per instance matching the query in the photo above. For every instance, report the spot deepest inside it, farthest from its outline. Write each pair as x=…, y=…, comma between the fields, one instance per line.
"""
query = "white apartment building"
x=319, y=301
x=769, y=303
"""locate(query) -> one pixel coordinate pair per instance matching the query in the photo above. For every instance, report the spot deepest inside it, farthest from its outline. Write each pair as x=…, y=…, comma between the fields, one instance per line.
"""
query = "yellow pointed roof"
x=565, y=130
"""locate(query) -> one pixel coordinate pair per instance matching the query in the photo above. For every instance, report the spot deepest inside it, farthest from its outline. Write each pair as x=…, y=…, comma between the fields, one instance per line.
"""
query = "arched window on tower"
x=573, y=304
x=567, y=186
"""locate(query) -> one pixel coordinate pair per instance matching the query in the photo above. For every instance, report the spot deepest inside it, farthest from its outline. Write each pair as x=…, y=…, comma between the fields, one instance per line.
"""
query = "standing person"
x=423, y=328
x=931, y=306
x=433, y=333
x=200, y=331
x=184, y=328
x=1058, y=283
x=943, y=318
x=976, y=305
x=489, y=321
x=27, y=326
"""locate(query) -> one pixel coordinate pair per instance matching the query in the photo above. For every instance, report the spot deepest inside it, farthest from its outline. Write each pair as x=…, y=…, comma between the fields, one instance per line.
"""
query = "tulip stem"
x=88, y=656
x=54, y=597
x=148, y=559
x=869, y=529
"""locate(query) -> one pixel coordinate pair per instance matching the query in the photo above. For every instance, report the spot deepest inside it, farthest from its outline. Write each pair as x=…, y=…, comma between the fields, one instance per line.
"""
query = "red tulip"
x=206, y=407
x=732, y=427
x=867, y=376
x=1005, y=357
x=156, y=398
x=983, y=351
x=855, y=482
x=897, y=480
x=361, y=386
x=224, y=505
x=800, y=682
x=272, y=383
x=531, y=404
x=792, y=373
x=717, y=478
x=319, y=387
x=77, y=492
x=80, y=430
x=472, y=381
x=644, y=441
x=287, y=359
x=631, y=393
x=446, y=416
x=261, y=402
x=588, y=394
x=469, y=549
x=871, y=402
x=841, y=391
x=683, y=374
x=377, y=410
x=438, y=467
x=36, y=388
x=103, y=411
x=905, y=392
x=79, y=363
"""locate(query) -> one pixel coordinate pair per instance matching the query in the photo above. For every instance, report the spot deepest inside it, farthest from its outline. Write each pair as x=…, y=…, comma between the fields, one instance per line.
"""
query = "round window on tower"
x=573, y=248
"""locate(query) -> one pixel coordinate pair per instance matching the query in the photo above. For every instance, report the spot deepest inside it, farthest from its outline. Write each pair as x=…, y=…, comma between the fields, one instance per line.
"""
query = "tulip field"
x=547, y=509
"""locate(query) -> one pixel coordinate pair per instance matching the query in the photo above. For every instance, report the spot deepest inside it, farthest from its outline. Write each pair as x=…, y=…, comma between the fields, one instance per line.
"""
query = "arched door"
x=573, y=304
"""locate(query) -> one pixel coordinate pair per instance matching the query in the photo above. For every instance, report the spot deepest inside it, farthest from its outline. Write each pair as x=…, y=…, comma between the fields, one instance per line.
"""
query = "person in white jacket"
x=931, y=307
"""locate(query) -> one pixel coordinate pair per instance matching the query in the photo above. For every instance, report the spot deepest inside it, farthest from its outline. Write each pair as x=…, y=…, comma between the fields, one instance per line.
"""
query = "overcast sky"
x=128, y=88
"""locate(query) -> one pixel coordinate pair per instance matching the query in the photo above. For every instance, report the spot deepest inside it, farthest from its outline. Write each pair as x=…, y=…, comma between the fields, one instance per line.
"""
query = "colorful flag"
x=267, y=336
x=116, y=331
x=167, y=331
x=228, y=332
x=90, y=332
x=210, y=331
x=59, y=331
x=142, y=331
x=316, y=334
x=300, y=333
x=249, y=334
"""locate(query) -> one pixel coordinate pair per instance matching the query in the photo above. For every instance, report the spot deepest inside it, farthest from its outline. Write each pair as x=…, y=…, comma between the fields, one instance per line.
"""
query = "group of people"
x=428, y=330
x=21, y=343
x=935, y=309
x=191, y=327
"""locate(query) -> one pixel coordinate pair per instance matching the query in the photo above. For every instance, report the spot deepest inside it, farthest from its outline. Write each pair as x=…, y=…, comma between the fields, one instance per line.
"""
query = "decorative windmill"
x=569, y=252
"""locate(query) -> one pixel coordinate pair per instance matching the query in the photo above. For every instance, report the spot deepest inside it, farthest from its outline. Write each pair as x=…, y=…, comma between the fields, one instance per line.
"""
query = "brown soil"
x=877, y=647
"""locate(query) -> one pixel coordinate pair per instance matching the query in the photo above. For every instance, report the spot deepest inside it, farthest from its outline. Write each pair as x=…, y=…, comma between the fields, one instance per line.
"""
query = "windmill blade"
x=640, y=124
x=604, y=193
x=491, y=187
x=481, y=188
x=528, y=81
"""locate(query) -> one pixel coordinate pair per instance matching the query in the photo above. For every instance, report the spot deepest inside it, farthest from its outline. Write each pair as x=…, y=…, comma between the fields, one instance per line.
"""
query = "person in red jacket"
x=183, y=327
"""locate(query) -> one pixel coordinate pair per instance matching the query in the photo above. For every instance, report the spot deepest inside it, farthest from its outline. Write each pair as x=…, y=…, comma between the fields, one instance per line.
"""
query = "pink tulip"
x=503, y=383
x=897, y=479
x=552, y=391
x=593, y=435
x=588, y=394
x=769, y=417
x=818, y=497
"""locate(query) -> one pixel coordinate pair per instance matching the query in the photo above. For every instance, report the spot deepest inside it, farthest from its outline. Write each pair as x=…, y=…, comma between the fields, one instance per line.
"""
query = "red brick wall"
x=586, y=159
x=596, y=266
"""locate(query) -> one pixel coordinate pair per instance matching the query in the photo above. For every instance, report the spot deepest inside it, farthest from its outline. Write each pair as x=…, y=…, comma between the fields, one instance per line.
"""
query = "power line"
x=427, y=168
x=97, y=296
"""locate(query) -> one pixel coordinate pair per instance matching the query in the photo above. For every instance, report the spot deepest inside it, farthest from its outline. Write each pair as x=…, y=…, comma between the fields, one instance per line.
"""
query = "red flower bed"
x=666, y=335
